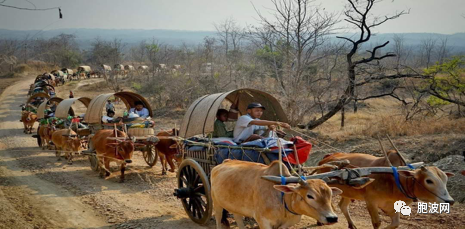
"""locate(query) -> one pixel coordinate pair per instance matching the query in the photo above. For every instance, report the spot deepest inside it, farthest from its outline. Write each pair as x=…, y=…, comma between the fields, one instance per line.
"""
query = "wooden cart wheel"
x=194, y=191
x=150, y=154
x=94, y=162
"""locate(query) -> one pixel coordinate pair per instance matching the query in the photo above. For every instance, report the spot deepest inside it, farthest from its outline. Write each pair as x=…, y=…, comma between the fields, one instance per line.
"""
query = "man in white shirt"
x=109, y=117
x=249, y=127
x=109, y=106
x=140, y=110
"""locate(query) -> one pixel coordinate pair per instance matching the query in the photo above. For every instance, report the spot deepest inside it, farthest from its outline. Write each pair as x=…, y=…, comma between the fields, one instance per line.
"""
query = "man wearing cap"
x=249, y=127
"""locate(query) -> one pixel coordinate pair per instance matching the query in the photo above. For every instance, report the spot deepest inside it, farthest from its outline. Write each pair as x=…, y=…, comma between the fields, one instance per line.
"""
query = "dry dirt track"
x=37, y=191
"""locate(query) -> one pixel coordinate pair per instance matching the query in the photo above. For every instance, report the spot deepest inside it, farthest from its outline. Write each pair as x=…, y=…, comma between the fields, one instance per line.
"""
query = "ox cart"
x=64, y=110
x=41, y=115
x=145, y=137
x=84, y=69
x=201, y=153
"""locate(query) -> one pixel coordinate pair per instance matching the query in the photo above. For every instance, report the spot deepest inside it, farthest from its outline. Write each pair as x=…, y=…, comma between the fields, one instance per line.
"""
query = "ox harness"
x=283, y=182
x=399, y=185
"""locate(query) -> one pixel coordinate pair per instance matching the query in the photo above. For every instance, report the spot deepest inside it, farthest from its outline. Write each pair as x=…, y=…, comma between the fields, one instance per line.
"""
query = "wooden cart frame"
x=193, y=176
x=93, y=118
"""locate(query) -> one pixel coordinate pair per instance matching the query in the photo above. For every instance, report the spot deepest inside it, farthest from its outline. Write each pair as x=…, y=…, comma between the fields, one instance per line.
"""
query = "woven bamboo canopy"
x=57, y=72
x=201, y=115
x=84, y=68
x=67, y=70
x=43, y=106
x=118, y=67
x=64, y=108
x=129, y=68
x=95, y=108
x=106, y=67
x=37, y=95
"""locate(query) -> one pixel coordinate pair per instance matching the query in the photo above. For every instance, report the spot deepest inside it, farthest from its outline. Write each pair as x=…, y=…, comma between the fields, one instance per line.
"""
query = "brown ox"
x=167, y=150
x=82, y=76
x=67, y=141
x=237, y=187
x=112, y=150
x=45, y=135
x=427, y=184
x=28, y=118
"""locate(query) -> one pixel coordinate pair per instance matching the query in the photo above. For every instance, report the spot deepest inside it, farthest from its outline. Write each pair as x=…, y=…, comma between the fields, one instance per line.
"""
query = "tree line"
x=294, y=54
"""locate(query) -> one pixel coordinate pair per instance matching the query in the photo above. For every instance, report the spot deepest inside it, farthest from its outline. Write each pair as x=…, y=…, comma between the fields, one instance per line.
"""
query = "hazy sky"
x=438, y=16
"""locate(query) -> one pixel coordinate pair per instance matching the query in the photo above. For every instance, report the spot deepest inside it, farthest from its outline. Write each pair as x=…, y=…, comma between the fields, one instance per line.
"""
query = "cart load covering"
x=248, y=153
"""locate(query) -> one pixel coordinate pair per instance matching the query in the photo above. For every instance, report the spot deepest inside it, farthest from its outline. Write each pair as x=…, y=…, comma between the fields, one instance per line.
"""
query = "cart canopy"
x=201, y=115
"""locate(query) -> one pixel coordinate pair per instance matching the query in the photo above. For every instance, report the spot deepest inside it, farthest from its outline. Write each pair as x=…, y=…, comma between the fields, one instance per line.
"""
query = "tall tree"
x=367, y=67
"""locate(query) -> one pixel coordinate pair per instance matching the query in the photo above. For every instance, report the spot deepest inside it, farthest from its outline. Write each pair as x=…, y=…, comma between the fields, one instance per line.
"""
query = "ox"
x=45, y=133
x=237, y=187
x=67, y=141
x=112, y=150
x=167, y=150
x=427, y=184
x=28, y=118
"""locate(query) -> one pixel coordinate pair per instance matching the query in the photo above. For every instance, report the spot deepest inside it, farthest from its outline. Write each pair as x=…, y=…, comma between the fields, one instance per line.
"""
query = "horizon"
x=213, y=31
x=425, y=16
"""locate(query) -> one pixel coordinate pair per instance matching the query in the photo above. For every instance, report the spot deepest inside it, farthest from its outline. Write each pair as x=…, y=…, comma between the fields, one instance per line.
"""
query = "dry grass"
x=383, y=116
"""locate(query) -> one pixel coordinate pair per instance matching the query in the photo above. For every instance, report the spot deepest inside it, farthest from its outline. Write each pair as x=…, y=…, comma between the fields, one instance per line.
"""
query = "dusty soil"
x=37, y=191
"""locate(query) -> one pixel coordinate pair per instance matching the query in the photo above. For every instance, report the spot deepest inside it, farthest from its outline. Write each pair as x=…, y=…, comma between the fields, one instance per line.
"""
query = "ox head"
x=430, y=184
x=74, y=144
x=125, y=149
x=31, y=117
x=312, y=198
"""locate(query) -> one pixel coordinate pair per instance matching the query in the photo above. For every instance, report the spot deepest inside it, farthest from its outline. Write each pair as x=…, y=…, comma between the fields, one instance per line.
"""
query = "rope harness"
x=399, y=185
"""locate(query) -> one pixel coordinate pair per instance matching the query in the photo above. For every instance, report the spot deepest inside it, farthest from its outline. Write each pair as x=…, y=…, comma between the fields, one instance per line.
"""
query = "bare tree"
x=442, y=50
x=402, y=52
x=231, y=37
x=427, y=48
x=294, y=34
x=367, y=67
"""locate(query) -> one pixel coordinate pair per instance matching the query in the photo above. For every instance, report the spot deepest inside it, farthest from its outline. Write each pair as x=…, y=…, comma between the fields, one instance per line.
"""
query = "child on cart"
x=219, y=129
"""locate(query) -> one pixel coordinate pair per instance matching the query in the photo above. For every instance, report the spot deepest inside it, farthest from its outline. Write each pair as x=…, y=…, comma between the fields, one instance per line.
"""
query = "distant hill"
x=130, y=36
x=176, y=37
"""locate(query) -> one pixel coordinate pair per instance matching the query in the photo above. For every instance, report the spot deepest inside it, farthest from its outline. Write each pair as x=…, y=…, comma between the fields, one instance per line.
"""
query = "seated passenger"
x=219, y=129
x=109, y=117
x=140, y=110
x=249, y=127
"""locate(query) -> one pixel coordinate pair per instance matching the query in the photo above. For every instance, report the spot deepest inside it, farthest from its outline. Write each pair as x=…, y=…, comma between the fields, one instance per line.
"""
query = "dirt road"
x=37, y=191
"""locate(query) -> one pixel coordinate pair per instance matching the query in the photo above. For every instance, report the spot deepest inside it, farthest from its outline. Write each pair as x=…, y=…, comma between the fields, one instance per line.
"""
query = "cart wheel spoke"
x=184, y=181
x=196, y=180
x=202, y=202
x=199, y=189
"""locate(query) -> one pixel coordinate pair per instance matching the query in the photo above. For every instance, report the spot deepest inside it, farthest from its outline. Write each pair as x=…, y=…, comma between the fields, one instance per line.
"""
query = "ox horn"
x=302, y=182
x=423, y=168
x=398, y=152
x=384, y=151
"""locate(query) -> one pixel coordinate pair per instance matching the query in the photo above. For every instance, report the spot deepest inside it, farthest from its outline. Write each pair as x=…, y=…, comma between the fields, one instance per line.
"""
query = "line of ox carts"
x=57, y=77
x=268, y=183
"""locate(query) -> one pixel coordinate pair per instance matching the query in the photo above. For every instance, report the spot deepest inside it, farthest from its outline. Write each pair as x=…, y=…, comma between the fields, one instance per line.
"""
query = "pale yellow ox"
x=238, y=188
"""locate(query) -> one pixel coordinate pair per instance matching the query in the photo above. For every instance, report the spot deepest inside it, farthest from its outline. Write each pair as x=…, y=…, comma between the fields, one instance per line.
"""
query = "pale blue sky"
x=438, y=16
